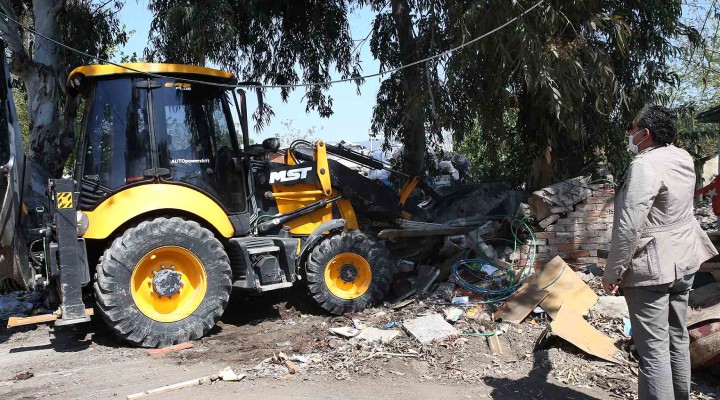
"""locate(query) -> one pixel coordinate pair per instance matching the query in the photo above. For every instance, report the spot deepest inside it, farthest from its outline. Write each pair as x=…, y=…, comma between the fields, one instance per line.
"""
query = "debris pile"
x=705, y=216
x=19, y=303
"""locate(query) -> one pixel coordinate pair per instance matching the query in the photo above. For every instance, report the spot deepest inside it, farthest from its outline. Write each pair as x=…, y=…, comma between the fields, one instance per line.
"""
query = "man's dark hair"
x=661, y=123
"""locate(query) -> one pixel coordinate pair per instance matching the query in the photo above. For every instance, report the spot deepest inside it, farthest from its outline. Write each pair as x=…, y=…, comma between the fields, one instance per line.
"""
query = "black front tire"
x=112, y=284
x=349, y=242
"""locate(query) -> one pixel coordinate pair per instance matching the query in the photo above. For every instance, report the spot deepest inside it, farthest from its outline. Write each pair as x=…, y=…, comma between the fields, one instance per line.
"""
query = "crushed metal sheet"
x=521, y=304
x=429, y=328
x=571, y=326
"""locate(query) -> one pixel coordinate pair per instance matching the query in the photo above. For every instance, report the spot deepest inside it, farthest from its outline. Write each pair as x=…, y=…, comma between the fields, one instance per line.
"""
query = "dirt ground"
x=87, y=362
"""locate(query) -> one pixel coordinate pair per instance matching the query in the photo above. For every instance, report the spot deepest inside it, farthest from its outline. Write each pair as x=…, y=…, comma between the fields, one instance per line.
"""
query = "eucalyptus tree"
x=42, y=66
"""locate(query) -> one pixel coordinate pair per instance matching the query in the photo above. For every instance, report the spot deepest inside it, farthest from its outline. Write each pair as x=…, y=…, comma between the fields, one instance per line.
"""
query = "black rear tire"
x=357, y=243
x=113, y=280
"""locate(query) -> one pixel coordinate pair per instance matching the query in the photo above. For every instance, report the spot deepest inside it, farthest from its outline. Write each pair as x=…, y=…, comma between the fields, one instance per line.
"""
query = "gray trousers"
x=658, y=315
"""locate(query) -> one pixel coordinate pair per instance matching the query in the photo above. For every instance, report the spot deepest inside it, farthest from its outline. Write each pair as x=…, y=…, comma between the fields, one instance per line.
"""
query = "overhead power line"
x=297, y=85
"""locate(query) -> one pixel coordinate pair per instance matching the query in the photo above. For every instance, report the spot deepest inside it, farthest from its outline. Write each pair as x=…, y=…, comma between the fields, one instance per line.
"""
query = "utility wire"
x=327, y=83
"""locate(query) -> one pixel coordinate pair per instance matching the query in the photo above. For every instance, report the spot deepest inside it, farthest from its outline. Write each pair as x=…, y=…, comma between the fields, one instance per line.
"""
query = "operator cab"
x=140, y=128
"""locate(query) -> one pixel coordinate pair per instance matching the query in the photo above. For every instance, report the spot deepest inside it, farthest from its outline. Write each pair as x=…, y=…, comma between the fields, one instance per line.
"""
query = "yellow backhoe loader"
x=170, y=207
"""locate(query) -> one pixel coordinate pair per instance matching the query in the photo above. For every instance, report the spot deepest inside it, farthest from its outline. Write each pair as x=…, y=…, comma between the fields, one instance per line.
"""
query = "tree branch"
x=58, y=8
x=11, y=32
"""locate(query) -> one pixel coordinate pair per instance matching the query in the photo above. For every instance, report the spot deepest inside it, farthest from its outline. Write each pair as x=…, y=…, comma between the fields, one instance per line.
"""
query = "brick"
x=597, y=227
x=605, y=193
x=586, y=207
x=566, y=221
x=565, y=234
x=544, y=235
x=599, y=240
x=587, y=260
x=590, y=246
x=596, y=200
x=587, y=234
x=579, y=254
x=579, y=240
x=544, y=249
x=555, y=228
x=539, y=242
x=169, y=349
x=599, y=213
x=593, y=253
x=567, y=247
x=559, y=241
x=549, y=221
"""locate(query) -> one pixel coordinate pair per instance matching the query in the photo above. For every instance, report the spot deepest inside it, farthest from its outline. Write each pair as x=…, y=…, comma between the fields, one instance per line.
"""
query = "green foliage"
x=266, y=41
x=573, y=72
x=496, y=160
x=698, y=86
x=291, y=133
x=22, y=112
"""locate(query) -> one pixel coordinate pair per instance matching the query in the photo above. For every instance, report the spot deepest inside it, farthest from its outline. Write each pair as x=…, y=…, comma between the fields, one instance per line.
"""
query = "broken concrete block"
x=549, y=221
x=345, y=331
x=611, y=307
x=429, y=328
x=377, y=335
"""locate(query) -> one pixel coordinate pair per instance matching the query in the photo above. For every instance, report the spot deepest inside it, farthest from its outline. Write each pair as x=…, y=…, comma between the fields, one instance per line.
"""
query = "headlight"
x=83, y=223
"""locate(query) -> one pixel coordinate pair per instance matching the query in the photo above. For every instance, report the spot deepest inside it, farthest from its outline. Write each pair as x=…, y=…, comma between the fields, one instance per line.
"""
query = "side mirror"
x=271, y=144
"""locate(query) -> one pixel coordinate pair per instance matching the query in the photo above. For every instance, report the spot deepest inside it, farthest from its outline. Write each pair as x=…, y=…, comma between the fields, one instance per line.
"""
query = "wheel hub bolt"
x=167, y=282
x=348, y=273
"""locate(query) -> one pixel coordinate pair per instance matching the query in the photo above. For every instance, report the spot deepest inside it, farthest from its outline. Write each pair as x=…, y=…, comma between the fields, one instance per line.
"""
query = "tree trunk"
x=46, y=89
x=413, y=135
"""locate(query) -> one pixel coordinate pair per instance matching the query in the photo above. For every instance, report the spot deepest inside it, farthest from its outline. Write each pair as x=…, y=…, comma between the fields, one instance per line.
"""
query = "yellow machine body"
x=134, y=201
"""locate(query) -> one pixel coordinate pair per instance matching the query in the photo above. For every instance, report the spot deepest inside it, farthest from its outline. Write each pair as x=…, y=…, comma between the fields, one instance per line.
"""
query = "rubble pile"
x=705, y=216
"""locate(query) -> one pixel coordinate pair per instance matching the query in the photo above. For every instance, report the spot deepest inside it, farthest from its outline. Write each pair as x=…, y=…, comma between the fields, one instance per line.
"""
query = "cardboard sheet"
x=571, y=326
x=521, y=304
x=563, y=285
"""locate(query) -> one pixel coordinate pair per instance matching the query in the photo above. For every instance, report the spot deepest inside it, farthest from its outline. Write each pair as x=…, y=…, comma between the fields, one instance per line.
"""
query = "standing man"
x=657, y=246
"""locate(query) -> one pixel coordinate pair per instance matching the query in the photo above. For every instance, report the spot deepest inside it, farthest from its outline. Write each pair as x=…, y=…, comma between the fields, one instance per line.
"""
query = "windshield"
x=196, y=138
x=118, y=140
x=192, y=128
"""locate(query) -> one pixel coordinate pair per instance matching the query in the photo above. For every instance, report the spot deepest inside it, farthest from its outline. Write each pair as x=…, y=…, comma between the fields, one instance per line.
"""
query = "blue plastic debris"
x=391, y=325
x=627, y=327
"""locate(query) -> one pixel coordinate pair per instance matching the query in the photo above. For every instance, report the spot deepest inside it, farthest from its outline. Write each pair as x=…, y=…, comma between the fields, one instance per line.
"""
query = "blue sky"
x=351, y=121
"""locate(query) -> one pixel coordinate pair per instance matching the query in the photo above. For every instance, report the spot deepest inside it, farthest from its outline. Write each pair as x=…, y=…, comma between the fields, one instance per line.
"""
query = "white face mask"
x=633, y=148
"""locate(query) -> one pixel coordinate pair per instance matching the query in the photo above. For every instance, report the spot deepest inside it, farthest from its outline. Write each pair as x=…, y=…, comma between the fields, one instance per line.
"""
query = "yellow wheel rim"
x=181, y=267
x=348, y=275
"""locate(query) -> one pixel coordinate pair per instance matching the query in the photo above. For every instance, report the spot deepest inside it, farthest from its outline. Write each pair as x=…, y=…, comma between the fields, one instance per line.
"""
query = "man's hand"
x=610, y=288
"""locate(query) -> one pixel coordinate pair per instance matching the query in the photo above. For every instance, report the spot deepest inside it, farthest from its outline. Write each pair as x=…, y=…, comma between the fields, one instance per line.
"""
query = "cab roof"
x=93, y=71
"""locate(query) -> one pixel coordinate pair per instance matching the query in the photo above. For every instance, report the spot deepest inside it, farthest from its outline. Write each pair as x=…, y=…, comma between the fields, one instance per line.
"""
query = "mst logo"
x=289, y=175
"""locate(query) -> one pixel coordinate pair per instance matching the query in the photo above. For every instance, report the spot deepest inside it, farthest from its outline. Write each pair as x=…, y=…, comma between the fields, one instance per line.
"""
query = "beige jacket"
x=656, y=238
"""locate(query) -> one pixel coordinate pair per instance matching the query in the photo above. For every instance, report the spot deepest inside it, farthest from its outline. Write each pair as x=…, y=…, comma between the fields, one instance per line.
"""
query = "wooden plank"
x=705, y=296
x=35, y=319
x=193, y=382
x=39, y=319
x=521, y=304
